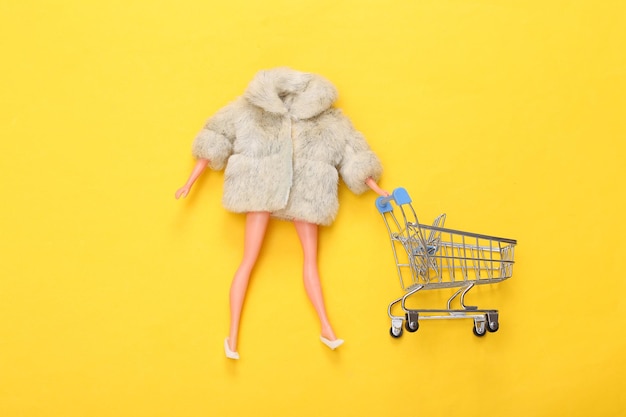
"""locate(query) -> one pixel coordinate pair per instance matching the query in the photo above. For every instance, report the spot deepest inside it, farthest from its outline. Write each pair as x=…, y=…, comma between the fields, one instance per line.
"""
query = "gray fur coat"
x=284, y=147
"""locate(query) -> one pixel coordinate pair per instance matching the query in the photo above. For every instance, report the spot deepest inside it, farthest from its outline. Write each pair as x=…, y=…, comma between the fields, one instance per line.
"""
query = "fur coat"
x=284, y=147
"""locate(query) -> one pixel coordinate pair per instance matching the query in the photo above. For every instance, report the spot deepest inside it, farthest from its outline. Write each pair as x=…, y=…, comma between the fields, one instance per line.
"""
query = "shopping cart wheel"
x=395, y=331
x=412, y=323
x=493, y=326
x=412, y=326
x=492, y=322
x=480, y=329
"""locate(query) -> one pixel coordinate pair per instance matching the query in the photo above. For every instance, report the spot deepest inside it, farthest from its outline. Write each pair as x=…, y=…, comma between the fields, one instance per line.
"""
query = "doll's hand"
x=374, y=186
x=182, y=191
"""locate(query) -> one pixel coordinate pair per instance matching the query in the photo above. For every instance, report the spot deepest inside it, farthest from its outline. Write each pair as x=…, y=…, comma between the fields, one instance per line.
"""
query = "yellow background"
x=507, y=115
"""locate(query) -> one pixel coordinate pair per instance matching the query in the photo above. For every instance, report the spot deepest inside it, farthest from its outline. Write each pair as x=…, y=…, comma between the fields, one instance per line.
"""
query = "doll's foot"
x=333, y=344
x=229, y=353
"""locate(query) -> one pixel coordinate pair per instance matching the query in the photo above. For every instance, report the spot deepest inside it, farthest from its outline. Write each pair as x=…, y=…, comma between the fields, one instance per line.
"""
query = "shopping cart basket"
x=433, y=257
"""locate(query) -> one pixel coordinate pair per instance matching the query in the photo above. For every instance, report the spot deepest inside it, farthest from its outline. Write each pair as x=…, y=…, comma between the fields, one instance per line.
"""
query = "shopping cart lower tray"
x=434, y=257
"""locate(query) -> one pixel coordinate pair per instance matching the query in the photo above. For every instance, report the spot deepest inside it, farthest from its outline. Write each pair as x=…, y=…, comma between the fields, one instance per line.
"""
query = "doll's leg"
x=256, y=224
x=307, y=232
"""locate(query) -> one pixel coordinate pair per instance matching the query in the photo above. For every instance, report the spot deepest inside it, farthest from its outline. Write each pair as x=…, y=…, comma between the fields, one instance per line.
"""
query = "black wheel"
x=478, y=333
x=411, y=326
x=493, y=327
x=395, y=334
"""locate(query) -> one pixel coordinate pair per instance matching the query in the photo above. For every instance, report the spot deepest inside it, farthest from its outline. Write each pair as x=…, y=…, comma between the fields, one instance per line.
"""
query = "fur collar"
x=285, y=91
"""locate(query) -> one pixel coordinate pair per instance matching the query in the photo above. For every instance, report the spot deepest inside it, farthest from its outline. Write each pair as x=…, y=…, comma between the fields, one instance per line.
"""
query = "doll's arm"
x=374, y=186
x=195, y=173
x=359, y=167
x=213, y=145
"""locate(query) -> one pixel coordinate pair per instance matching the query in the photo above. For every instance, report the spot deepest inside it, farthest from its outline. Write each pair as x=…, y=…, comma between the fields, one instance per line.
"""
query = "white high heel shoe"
x=333, y=344
x=229, y=353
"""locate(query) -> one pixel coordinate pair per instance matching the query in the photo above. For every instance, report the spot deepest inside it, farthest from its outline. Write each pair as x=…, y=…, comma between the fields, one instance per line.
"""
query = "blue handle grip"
x=399, y=195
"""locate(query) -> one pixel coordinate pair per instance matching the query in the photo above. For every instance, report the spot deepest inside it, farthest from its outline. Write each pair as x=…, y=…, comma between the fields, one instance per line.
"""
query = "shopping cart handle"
x=399, y=195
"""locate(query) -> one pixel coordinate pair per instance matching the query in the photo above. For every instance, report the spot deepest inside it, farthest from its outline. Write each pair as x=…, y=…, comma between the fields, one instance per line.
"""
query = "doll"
x=283, y=147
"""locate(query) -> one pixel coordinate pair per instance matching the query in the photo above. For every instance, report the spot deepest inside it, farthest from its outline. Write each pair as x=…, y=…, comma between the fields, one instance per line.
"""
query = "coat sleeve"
x=215, y=140
x=358, y=162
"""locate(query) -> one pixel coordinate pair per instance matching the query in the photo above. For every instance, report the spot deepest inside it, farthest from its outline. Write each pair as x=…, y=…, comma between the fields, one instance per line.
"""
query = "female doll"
x=283, y=147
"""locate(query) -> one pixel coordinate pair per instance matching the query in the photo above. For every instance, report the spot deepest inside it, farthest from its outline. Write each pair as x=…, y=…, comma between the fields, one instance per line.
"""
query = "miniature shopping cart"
x=433, y=257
